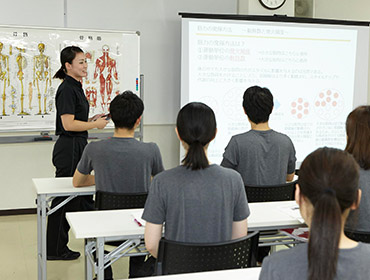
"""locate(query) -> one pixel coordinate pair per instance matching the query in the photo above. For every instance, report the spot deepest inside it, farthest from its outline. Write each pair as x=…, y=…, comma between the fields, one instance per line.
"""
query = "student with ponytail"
x=72, y=123
x=327, y=190
x=199, y=202
x=358, y=144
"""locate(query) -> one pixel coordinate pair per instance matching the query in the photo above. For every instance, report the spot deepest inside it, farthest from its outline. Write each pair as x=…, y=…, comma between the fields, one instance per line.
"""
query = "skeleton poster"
x=29, y=58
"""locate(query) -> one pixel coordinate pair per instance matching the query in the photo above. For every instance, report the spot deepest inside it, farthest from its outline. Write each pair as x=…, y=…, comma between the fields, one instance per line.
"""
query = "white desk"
x=273, y=215
x=235, y=274
x=46, y=190
x=98, y=226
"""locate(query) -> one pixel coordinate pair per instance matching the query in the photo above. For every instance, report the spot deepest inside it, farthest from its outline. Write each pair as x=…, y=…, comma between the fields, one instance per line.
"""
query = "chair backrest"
x=358, y=236
x=271, y=193
x=110, y=201
x=179, y=257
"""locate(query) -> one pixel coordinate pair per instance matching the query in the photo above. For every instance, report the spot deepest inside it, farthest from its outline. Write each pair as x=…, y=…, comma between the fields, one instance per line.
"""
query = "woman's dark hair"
x=258, y=103
x=358, y=135
x=196, y=125
x=66, y=55
x=328, y=177
x=125, y=109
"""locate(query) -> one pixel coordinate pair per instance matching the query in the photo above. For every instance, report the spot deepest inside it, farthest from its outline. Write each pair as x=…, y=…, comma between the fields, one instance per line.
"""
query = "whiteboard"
x=30, y=56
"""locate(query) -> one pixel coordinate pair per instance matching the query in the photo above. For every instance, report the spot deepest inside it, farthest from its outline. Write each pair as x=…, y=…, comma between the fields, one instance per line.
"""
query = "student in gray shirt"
x=262, y=156
x=121, y=164
x=327, y=190
x=358, y=144
x=198, y=202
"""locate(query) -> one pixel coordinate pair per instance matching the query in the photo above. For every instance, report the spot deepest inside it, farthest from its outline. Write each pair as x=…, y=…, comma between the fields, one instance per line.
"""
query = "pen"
x=140, y=225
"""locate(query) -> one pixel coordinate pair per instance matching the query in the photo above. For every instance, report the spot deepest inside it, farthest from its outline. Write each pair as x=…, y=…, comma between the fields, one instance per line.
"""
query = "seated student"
x=358, y=144
x=199, y=202
x=261, y=155
x=121, y=164
x=327, y=189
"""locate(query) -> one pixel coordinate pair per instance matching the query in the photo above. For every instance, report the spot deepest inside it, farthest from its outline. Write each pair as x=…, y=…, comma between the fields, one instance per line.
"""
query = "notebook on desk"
x=292, y=210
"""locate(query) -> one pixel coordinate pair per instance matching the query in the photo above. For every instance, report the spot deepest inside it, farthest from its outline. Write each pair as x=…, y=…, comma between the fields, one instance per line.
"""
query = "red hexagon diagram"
x=299, y=108
x=329, y=104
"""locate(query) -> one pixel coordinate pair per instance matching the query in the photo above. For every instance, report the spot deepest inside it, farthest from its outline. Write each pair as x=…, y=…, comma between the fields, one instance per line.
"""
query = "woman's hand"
x=101, y=122
x=70, y=124
x=94, y=118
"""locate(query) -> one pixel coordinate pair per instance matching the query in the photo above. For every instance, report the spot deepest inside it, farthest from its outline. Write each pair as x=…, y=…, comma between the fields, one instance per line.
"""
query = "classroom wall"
x=20, y=162
x=348, y=10
x=32, y=13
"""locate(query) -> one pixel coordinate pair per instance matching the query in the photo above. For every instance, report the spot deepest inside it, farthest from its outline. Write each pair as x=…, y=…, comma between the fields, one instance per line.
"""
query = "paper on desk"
x=137, y=217
x=293, y=211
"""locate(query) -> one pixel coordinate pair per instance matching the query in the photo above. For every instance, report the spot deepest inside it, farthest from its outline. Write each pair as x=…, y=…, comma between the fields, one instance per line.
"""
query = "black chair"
x=179, y=257
x=280, y=192
x=110, y=201
x=271, y=193
x=358, y=236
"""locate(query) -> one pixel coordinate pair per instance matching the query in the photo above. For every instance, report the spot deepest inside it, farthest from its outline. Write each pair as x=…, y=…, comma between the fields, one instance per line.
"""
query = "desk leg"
x=39, y=266
x=100, y=256
x=88, y=266
x=41, y=236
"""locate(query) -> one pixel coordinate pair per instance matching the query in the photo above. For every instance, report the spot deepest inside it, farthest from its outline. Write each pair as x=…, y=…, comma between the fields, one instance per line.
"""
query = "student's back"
x=292, y=264
x=359, y=220
x=358, y=144
x=197, y=202
x=327, y=190
x=197, y=206
x=262, y=156
x=122, y=165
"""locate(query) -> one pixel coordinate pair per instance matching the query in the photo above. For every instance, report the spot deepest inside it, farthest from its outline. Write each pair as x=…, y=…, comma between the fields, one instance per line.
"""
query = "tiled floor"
x=18, y=253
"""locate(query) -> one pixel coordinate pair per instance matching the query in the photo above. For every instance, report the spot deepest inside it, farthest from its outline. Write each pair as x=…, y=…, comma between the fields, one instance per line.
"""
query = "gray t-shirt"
x=122, y=165
x=292, y=264
x=261, y=157
x=359, y=219
x=197, y=205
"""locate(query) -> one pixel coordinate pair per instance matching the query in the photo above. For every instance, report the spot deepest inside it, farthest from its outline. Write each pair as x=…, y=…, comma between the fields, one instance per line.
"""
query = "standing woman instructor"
x=72, y=123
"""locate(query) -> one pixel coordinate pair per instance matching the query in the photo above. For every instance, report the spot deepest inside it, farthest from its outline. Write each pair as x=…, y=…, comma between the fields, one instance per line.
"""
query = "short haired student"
x=121, y=164
x=199, y=202
x=261, y=155
x=327, y=190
